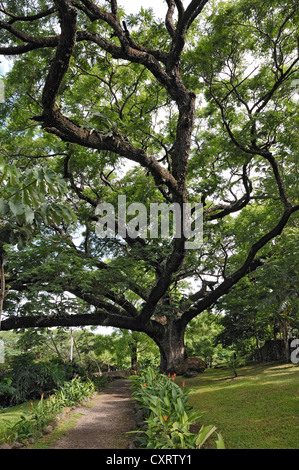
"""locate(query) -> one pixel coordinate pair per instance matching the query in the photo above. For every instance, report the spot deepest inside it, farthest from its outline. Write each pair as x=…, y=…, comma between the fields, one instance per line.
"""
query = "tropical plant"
x=26, y=379
x=168, y=416
x=45, y=411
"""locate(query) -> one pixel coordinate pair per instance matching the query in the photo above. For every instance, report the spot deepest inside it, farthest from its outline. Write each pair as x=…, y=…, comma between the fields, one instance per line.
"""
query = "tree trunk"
x=55, y=345
x=134, y=357
x=172, y=348
x=257, y=342
x=92, y=356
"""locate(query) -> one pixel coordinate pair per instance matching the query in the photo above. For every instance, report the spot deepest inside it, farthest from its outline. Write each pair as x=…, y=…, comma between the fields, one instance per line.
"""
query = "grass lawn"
x=257, y=410
x=13, y=414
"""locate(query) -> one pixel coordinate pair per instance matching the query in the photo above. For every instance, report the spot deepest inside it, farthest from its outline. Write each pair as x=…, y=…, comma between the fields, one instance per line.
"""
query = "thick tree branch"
x=112, y=19
x=28, y=18
x=248, y=266
x=99, y=318
x=64, y=51
x=180, y=7
x=120, y=306
x=279, y=181
x=186, y=18
x=169, y=17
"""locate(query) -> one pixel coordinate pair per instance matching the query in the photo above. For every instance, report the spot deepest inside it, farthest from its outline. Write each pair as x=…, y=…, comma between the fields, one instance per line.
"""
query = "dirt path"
x=104, y=425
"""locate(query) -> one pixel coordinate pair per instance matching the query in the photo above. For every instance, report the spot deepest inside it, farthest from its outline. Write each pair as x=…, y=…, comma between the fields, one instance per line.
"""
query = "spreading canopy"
x=200, y=102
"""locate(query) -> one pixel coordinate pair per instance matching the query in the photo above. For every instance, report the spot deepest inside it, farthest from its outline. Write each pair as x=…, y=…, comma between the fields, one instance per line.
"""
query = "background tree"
x=265, y=306
x=202, y=338
x=201, y=102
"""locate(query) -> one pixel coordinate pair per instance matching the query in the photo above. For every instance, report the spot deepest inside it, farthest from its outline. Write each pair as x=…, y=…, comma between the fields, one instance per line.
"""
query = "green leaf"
x=34, y=196
x=220, y=442
x=68, y=214
x=50, y=176
x=42, y=188
x=4, y=207
x=39, y=174
x=16, y=207
x=29, y=215
x=26, y=200
x=20, y=218
x=204, y=434
x=61, y=185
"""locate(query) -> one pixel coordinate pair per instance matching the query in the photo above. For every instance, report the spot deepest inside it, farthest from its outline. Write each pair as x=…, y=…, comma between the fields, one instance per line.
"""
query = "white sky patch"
x=5, y=66
x=133, y=7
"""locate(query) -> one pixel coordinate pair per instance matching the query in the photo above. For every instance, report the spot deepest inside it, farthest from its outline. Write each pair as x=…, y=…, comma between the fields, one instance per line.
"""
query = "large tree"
x=200, y=102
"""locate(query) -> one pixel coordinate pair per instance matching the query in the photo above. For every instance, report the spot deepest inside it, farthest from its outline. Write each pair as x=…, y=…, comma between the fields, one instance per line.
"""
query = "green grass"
x=13, y=414
x=47, y=442
x=257, y=410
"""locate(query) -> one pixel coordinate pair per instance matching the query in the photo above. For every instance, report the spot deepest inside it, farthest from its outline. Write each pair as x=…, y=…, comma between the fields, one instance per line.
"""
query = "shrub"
x=100, y=381
x=7, y=392
x=167, y=414
x=22, y=429
x=75, y=391
x=28, y=379
x=33, y=422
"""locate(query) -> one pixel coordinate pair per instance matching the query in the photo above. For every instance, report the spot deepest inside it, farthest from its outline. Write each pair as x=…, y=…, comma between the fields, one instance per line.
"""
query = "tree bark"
x=258, y=347
x=134, y=361
x=172, y=348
